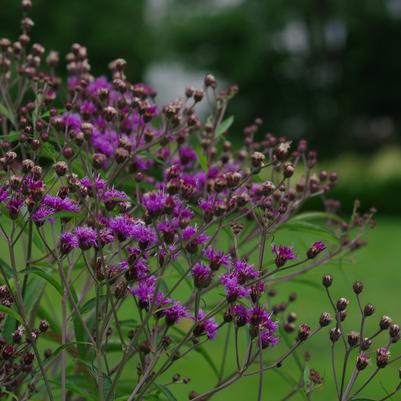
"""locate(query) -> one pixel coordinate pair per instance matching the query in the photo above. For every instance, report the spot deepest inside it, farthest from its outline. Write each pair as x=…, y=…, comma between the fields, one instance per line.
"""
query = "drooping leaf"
x=11, y=312
x=317, y=216
x=309, y=228
x=46, y=276
x=163, y=389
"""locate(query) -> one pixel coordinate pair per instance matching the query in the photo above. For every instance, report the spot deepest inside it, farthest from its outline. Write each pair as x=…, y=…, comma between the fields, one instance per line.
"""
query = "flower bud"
x=303, y=332
x=316, y=248
x=382, y=357
x=335, y=334
x=325, y=319
x=385, y=322
x=394, y=330
x=362, y=361
x=353, y=338
x=61, y=168
x=342, y=304
x=327, y=280
x=368, y=310
x=357, y=287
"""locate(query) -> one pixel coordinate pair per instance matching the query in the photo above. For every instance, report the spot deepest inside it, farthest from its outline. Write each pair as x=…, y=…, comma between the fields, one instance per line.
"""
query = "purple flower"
x=122, y=227
x=217, y=258
x=315, y=249
x=244, y=271
x=174, y=313
x=68, y=242
x=145, y=236
x=283, y=253
x=154, y=202
x=202, y=275
x=138, y=270
x=41, y=214
x=60, y=204
x=187, y=155
x=14, y=206
x=234, y=290
x=3, y=193
x=105, y=236
x=86, y=237
x=193, y=238
x=145, y=291
x=169, y=228
x=241, y=315
x=99, y=183
x=267, y=339
x=205, y=326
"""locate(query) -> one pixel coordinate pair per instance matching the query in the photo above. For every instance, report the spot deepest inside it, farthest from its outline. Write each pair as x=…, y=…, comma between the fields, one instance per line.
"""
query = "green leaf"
x=309, y=228
x=6, y=267
x=209, y=360
x=48, y=150
x=309, y=283
x=163, y=389
x=202, y=159
x=46, y=276
x=90, y=305
x=317, y=216
x=11, y=136
x=5, y=112
x=11, y=312
x=224, y=126
x=181, y=271
x=78, y=326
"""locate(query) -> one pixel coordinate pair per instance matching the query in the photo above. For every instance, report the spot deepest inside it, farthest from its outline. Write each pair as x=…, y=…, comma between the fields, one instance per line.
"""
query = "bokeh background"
x=326, y=70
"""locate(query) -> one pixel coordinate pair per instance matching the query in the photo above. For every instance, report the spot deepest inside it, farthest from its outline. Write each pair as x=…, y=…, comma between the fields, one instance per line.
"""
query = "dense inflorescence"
x=121, y=207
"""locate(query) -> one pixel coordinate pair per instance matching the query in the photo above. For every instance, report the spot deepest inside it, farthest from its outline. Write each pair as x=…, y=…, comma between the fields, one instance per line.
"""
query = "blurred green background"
x=327, y=70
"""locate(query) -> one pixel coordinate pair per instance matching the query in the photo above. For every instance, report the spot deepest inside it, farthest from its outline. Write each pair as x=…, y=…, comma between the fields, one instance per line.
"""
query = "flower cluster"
x=150, y=226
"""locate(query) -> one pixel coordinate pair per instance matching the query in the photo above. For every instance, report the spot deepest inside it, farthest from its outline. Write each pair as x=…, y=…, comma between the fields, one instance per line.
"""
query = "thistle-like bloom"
x=234, y=290
x=144, y=292
x=154, y=202
x=3, y=193
x=174, y=313
x=68, y=242
x=14, y=206
x=122, y=227
x=283, y=253
x=204, y=326
x=244, y=271
x=202, y=275
x=216, y=258
x=267, y=339
x=241, y=315
x=316, y=248
x=86, y=237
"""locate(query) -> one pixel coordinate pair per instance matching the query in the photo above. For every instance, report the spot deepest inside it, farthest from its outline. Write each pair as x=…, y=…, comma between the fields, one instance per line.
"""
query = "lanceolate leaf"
x=224, y=126
x=163, y=389
x=46, y=276
x=309, y=228
x=11, y=312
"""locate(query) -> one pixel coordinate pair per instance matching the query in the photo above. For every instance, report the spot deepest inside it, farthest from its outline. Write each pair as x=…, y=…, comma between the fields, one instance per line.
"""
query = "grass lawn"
x=378, y=266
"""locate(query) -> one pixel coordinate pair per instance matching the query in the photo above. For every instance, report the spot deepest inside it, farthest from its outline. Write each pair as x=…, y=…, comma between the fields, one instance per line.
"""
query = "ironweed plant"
x=134, y=236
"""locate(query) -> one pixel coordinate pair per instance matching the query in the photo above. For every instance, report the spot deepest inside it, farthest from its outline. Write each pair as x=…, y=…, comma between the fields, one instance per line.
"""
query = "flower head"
x=283, y=253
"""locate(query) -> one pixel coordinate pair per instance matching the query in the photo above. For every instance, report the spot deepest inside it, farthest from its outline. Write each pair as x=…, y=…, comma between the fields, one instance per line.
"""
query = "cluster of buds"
x=359, y=343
